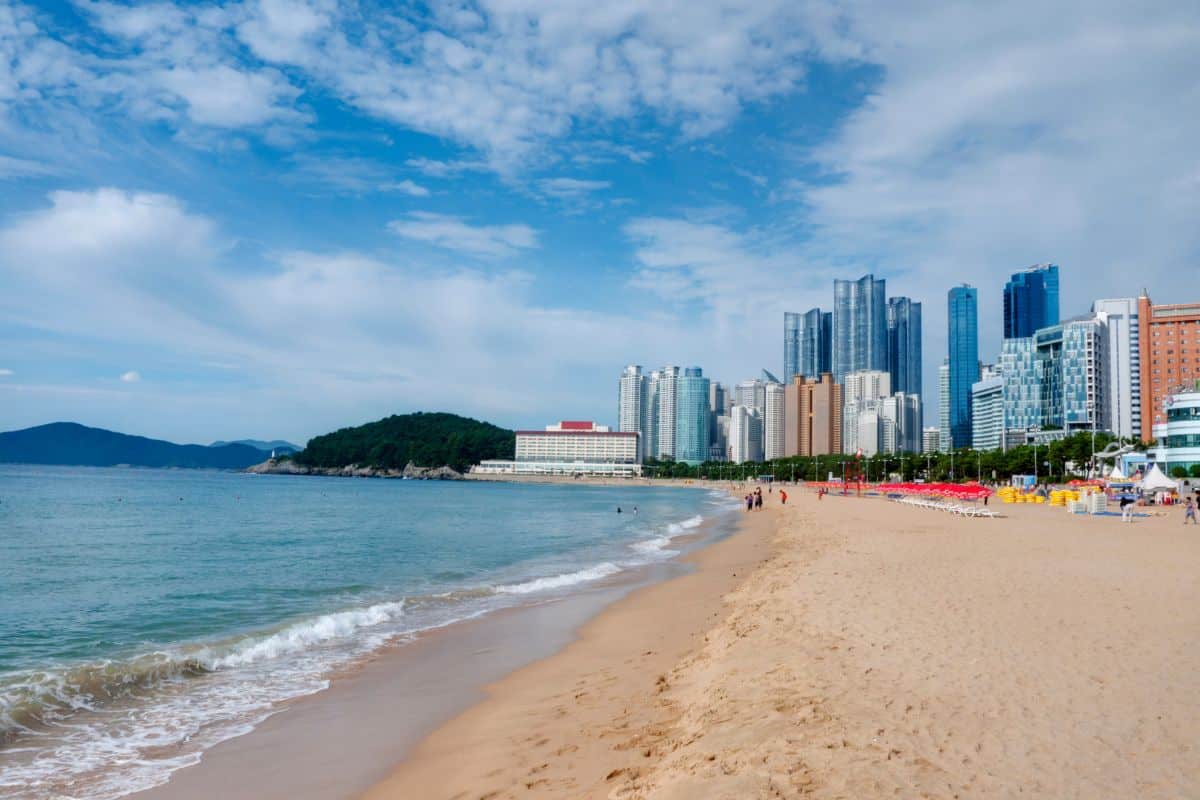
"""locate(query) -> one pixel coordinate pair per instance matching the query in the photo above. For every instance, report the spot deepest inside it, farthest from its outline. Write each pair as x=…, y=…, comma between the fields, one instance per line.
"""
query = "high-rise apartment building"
x=862, y=391
x=1021, y=374
x=692, y=426
x=665, y=396
x=944, y=407
x=900, y=423
x=987, y=403
x=812, y=416
x=745, y=434
x=773, y=421
x=962, y=338
x=859, y=326
x=1169, y=356
x=807, y=339
x=1123, y=372
x=931, y=439
x=649, y=436
x=1031, y=301
x=631, y=404
x=751, y=394
x=717, y=411
x=904, y=344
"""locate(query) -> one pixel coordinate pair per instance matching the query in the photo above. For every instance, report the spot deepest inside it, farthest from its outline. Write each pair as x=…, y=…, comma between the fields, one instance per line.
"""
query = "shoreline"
x=620, y=653
x=866, y=649
x=341, y=740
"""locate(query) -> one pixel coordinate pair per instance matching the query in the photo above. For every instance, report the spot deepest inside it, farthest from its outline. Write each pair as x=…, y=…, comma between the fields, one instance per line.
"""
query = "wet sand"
x=856, y=648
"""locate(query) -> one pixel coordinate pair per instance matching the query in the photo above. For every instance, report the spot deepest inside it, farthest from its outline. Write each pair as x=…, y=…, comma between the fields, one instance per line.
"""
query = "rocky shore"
x=410, y=471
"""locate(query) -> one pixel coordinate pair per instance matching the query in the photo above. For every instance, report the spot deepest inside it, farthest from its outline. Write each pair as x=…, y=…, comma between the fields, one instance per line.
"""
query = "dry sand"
x=863, y=649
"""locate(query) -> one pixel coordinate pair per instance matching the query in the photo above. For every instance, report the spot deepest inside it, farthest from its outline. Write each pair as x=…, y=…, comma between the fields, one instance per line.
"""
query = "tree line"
x=1056, y=462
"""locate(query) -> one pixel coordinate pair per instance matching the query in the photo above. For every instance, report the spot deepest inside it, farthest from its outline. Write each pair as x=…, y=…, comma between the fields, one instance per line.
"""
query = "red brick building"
x=1169, y=349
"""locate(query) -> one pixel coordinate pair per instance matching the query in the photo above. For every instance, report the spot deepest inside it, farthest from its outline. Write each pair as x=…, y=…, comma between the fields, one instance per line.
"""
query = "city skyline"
x=255, y=220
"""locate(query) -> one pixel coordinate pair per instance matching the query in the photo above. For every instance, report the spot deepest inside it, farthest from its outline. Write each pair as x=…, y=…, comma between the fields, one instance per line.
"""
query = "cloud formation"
x=454, y=233
x=130, y=377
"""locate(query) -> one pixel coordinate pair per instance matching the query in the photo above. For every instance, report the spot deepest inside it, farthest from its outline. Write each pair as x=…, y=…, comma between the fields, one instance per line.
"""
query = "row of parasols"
x=956, y=491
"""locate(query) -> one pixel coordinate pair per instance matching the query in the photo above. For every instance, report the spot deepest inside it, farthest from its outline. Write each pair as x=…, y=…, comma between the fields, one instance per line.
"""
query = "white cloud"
x=12, y=167
x=130, y=377
x=504, y=77
x=350, y=175
x=570, y=188
x=6, y=373
x=453, y=233
x=444, y=169
x=335, y=338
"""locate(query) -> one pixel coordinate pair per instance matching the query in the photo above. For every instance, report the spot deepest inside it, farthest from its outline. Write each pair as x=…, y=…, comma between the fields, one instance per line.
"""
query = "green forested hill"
x=425, y=439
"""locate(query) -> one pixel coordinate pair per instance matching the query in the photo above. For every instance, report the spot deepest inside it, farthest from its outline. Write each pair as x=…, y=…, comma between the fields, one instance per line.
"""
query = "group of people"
x=754, y=500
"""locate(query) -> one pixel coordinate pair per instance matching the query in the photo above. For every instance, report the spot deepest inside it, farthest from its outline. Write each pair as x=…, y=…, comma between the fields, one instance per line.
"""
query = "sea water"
x=146, y=615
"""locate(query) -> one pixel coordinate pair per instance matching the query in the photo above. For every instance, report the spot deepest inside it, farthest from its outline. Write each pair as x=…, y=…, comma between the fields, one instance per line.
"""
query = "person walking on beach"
x=1189, y=512
x=749, y=502
x=1126, y=508
x=782, y=497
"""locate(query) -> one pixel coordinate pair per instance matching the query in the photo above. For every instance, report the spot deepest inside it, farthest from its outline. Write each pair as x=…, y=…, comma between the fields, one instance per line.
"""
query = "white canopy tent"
x=1116, y=474
x=1156, y=481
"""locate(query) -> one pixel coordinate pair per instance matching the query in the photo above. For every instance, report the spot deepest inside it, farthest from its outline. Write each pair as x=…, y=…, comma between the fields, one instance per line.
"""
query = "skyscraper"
x=745, y=434
x=963, y=340
x=859, y=326
x=904, y=344
x=862, y=392
x=665, y=393
x=717, y=411
x=807, y=339
x=691, y=416
x=1031, y=301
x=631, y=405
x=943, y=428
x=773, y=422
x=650, y=416
x=1123, y=378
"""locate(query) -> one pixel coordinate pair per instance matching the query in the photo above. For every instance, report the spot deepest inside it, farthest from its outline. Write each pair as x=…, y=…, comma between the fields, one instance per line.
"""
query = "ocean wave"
x=560, y=581
x=304, y=635
x=676, y=528
x=32, y=699
x=653, y=547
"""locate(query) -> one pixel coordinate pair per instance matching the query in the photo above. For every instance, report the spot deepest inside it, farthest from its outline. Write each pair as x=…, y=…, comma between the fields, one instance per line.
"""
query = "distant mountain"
x=279, y=445
x=424, y=439
x=69, y=443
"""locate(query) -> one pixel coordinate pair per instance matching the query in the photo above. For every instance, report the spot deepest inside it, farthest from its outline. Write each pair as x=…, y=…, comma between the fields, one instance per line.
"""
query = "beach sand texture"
x=863, y=649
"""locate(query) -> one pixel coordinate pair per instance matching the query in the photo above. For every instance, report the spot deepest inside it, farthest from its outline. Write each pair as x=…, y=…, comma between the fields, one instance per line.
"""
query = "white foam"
x=676, y=528
x=654, y=547
x=304, y=635
x=560, y=581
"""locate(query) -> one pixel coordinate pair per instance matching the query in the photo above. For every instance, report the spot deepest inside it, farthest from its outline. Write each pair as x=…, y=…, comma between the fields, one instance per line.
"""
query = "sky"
x=274, y=218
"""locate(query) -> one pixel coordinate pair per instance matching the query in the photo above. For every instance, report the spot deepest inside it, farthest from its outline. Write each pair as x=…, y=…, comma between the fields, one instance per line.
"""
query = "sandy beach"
x=853, y=648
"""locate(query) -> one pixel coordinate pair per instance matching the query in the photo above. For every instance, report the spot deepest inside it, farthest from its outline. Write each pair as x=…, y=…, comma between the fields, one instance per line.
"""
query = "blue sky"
x=273, y=218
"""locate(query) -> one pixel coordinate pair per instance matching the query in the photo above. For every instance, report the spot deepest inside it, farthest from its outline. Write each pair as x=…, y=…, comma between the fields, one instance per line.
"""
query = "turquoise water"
x=146, y=615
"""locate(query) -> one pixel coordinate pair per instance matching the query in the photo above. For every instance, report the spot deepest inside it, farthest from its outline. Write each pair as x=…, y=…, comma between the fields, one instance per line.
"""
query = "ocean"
x=146, y=615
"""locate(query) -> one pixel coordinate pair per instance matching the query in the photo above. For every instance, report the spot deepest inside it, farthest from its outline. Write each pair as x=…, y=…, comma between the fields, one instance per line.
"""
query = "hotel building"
x=1177, y=438
x=1169, y=356
x=812, y=417
x=570, y=448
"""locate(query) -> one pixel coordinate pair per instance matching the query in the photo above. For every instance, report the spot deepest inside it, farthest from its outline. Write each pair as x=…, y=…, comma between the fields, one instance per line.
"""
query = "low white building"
x=1178, y=439
x=570, y=448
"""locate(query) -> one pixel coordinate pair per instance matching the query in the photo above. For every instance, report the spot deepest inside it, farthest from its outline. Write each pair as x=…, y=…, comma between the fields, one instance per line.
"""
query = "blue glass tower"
x=859, y=326
x=1031, y=301
x=963, y=340
x=904, y=345
x=691, y=416
x=806, y=342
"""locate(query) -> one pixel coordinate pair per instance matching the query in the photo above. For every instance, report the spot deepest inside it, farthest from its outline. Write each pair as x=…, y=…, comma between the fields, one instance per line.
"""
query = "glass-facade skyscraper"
x=807, y=339
x=962, y=337
x=904, y=345
x=1031, y=301
x=859, y=326
x=691, y=416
